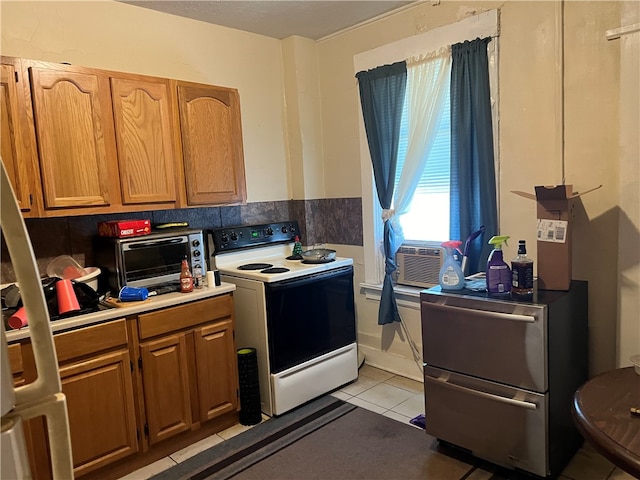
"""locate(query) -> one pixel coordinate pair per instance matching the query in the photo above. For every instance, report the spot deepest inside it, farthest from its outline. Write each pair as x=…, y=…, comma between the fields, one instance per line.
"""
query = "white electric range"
x=300, y=317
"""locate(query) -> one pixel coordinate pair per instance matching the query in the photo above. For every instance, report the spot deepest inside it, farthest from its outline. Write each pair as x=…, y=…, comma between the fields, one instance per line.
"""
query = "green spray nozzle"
x=498, y=240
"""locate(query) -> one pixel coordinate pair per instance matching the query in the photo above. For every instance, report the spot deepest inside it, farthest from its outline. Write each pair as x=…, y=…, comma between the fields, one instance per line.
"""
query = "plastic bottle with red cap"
x=451, y=276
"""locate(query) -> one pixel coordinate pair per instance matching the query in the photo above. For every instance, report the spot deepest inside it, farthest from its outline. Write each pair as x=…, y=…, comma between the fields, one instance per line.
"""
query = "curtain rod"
x=616, y=33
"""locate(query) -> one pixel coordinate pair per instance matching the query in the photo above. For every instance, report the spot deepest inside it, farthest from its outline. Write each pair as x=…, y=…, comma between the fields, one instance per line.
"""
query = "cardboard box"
x=554, y=225
x=124, y=228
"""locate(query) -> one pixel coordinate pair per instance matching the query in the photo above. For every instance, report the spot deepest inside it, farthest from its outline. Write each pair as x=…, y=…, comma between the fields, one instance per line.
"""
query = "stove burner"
x=294, y=257
x=275, y=270
x=255, y=266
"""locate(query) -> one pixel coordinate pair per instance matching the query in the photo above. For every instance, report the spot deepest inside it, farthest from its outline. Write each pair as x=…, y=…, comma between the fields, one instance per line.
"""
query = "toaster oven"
x=150, y=260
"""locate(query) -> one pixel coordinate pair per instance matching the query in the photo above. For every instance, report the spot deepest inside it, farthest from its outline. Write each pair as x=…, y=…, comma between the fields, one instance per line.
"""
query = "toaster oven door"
x=153, y=261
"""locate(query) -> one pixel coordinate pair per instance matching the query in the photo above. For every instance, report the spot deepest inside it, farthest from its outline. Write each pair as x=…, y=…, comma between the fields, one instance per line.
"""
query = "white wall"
x=629, y=215
x=302, y=99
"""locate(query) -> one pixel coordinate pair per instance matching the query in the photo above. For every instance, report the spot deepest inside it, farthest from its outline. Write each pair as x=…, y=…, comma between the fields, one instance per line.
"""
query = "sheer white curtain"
x=427, y=78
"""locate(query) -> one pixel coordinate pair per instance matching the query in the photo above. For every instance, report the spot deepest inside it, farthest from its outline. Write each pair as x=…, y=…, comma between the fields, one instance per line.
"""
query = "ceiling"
x=278, y=18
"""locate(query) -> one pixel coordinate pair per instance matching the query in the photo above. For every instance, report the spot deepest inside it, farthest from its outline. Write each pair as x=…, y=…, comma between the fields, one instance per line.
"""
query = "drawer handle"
x=482, y=313
x=489, y=396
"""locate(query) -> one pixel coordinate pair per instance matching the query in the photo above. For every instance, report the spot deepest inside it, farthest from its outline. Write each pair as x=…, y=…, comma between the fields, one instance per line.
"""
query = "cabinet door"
x=16, y=149
x=74, y=129
x=211, y=133
x=166, y=387
x=216, y=370
x=146, y=161
x=101, y=410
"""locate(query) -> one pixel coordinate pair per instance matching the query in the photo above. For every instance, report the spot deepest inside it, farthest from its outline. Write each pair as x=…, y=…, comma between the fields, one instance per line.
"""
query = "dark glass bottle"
x=522, y=272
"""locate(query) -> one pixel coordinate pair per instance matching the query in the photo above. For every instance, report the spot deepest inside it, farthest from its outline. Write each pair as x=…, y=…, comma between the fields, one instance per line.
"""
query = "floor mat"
x=258, y=442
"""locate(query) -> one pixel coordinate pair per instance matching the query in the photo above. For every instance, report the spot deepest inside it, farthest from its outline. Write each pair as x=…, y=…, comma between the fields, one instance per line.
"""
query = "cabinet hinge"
x=138, y=434
x=140, y=363
x=31, y=199
x=131, y=362
x=16, y=75
x=146, y=429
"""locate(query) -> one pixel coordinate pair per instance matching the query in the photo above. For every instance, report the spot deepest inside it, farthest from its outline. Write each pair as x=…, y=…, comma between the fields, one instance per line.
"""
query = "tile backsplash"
x=334, y=220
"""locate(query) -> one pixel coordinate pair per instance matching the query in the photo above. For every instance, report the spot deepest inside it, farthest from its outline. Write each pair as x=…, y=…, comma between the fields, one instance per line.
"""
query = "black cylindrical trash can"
x=249, y=382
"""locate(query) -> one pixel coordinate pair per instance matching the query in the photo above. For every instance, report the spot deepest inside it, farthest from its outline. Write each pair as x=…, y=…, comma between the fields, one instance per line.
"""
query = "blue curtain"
x=473, y=182
x=382, y=92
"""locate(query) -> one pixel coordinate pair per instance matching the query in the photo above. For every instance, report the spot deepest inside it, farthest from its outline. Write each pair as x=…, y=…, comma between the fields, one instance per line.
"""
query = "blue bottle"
x=498, y=272
x=451, y=276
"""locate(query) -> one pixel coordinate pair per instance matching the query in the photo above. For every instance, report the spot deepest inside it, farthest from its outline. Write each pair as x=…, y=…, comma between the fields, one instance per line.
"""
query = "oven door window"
x=310, y=316
x=154, y=259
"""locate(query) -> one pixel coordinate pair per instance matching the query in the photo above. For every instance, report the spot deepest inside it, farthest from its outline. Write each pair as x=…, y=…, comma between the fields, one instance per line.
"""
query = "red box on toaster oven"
x=124, y=228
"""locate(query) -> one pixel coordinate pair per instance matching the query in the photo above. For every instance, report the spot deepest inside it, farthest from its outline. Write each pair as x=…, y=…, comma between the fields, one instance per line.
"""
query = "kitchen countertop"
x=154, y=303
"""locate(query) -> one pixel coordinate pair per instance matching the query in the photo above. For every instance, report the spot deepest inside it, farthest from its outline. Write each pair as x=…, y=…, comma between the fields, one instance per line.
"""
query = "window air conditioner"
x=419, y=265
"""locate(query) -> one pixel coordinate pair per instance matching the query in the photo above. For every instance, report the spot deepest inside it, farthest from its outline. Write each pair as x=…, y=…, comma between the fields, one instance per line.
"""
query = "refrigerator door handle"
x=492, y=315
x=489, y=396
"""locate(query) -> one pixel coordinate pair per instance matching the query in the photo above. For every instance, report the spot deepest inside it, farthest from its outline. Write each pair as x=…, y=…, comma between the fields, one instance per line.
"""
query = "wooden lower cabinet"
x=95, y=372
x=216, y=372
x=166, y=387
x=102, y=419
x=189, y=367
x=139, y=388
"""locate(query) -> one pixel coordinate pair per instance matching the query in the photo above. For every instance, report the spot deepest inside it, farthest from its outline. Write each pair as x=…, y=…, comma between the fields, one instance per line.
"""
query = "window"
x=432, y=193
x=423, y=222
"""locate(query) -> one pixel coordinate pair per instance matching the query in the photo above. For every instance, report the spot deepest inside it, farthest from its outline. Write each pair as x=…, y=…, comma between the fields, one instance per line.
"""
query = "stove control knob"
x=234, y=236
x=196, y=253
x=292, y=229
x=269, y=231
x=224, y=238
x=196, y=243
x=284, y=229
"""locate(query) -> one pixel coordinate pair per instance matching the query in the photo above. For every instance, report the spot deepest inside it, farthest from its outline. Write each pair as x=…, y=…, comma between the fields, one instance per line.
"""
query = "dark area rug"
x=329, y=439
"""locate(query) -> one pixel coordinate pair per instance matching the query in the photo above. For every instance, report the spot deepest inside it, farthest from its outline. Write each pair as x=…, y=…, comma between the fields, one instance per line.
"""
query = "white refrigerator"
x=44, y=396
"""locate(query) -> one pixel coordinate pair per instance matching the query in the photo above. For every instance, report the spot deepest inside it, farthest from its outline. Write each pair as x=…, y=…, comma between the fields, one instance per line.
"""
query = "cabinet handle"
x=482, y=313
x=488, y=396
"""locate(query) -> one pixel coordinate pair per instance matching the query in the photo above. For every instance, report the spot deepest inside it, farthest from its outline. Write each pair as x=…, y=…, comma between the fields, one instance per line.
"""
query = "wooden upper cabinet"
x=211, y=134
x=79, y=140
x=17, y=149
x=142, y=118
x=74, y=129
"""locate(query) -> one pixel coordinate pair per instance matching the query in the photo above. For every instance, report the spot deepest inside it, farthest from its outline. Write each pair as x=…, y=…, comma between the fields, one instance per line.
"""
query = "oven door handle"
x=488, y=396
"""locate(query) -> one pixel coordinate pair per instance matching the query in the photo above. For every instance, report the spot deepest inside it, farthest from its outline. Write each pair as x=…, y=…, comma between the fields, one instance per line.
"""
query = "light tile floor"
x=401, y=399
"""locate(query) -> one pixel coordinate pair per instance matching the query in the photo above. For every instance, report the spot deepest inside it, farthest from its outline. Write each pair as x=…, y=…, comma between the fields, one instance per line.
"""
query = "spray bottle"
x=451, y=276
x=498, y=272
